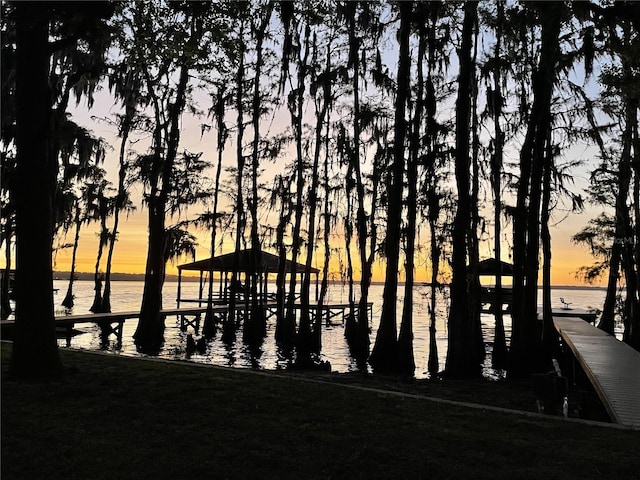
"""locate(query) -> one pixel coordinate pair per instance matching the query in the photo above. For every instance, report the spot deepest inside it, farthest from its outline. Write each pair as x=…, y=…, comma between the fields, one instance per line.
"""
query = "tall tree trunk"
x=631, y=247
x=499, y=357
x=384, y=356
x=433, y=364
x=462, y=355
x=621, y=256
x=433, y=199
x=69, y=297
x=309, y=335
x=526, y=338
x=358, y=336
x=256, y=328
x=406, y=360
x=96, y=307
x=208, y=329
x=35, y=348
x=285, y=330
x=351, y=324
x=634, y=321
x=549, y=334
x=130, y=110
x=631, y=334
x=229, y=328
x=607, y=319
x=474, y=227
x=149, y=334
x=296, y=102
x=327, y=213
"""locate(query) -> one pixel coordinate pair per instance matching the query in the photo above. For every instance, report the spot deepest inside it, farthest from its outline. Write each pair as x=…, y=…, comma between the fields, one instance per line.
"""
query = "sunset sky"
x=130, y=252
x=131, y=249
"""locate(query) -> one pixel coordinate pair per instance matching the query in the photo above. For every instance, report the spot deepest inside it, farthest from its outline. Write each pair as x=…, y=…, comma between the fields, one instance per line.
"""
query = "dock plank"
x=613, y=367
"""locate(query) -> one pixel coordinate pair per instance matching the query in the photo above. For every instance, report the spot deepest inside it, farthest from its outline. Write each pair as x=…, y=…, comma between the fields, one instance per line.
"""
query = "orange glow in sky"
x=131, y=250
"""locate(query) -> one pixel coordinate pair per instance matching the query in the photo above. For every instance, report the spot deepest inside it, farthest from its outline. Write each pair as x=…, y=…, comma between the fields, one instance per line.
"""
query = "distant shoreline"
x=139, y=277
x=120, y=277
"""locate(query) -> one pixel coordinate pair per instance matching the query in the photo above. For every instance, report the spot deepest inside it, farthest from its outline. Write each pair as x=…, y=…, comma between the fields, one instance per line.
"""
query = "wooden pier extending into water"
x=112, y=323
x=589, y=316
x=612, y=367
x=328, y=311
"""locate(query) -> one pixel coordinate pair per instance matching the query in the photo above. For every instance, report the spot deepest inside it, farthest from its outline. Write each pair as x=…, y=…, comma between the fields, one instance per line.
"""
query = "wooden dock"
x=112, y=323
x=586, y=315
x=115, y=316
x=328, y=311
x=613, y=367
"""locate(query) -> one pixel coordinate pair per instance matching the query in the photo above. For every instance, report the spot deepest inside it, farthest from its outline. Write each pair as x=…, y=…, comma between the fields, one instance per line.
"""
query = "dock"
x=328, y=311
x=612, y=367
x=112, y=323
x=587, y=315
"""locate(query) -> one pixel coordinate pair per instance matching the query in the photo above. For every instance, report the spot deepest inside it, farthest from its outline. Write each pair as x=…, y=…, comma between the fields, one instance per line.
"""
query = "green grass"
x=120, y=418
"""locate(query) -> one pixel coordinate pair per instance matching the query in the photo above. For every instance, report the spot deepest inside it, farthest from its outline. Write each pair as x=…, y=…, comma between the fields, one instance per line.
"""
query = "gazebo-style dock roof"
x=491, y=267
x=227, y=263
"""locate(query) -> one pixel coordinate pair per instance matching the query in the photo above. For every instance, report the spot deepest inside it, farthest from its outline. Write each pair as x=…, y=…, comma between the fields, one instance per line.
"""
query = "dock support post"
x=179, y=287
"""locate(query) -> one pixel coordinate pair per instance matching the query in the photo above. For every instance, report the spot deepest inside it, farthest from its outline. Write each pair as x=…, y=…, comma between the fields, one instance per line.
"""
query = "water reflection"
x=225, y=347
x=230, y=354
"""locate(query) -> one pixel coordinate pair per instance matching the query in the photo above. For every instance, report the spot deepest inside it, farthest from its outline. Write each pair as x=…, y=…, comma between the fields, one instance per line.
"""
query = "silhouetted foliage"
x=368, y=144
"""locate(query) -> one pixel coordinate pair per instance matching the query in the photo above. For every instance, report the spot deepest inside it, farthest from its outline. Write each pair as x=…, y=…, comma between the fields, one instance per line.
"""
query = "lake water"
x=127, y=295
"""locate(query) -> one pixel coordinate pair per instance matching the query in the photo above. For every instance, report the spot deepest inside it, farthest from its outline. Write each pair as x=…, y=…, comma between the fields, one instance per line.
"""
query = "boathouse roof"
x=227, y=262
x=490, y=266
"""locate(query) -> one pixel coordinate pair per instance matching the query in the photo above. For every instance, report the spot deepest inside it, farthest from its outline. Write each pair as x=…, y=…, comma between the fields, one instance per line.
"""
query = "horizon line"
x=195, y=278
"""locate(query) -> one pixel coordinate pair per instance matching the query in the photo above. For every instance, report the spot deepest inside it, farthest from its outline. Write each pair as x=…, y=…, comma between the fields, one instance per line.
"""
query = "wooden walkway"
x=613, y=367
x=112, y=323
x=117, y=316
x=586, y=315
x=328, y=311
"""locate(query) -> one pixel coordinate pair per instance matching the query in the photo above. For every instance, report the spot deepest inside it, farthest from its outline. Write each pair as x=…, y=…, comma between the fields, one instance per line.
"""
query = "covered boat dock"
x=241, y=262
x=491, y=296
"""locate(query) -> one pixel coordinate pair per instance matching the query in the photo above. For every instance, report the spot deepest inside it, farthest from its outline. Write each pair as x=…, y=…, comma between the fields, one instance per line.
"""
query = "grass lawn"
x=120, y=418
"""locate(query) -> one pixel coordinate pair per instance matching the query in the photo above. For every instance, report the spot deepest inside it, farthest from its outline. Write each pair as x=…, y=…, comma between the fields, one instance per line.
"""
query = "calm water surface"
x=127, y=296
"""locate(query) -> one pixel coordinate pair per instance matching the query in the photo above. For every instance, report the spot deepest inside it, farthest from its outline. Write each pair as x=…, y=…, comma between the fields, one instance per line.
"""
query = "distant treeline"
x=126, y=277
